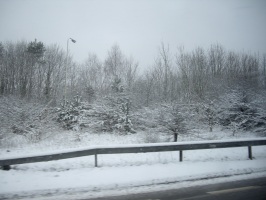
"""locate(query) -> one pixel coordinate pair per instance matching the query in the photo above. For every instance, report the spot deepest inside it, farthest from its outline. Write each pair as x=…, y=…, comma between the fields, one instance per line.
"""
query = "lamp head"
x=74, y=41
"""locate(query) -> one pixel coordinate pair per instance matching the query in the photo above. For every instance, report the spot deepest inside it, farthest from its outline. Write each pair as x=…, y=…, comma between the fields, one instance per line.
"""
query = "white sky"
x=137, y=26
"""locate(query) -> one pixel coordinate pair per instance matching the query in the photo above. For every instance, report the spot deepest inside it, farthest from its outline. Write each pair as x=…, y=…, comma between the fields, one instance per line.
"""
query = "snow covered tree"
x=35, y=52
x=209, y=114
x=118, y=108
x=70, y=113
x=176, y=123
x=172, y=119
x=117, y=86
x=240, y=111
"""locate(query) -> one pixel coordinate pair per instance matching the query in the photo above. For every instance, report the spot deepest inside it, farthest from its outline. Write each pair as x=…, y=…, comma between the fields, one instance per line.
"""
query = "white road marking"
x=194, y=197
x=221, y=192
x=234, y=190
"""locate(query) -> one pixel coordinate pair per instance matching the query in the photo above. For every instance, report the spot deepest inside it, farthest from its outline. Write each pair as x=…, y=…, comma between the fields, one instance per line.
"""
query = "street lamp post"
x=74, y=41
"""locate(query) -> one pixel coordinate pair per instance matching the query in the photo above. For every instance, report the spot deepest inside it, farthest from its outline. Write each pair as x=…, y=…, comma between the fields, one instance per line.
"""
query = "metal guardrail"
x=138, y=148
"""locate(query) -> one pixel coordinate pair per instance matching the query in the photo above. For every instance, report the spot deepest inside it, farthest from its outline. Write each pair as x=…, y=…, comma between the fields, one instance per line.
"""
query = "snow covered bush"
x=69, y=114
x=240, y=112
x=164, y=120
x=117, y=109
x=112, y=113
x=173, y=120
x=207, y=114
x=116, y=114
x=28, y=121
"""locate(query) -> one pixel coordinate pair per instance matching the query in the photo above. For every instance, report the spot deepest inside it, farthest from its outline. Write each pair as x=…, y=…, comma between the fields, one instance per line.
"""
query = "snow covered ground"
x=77, y=178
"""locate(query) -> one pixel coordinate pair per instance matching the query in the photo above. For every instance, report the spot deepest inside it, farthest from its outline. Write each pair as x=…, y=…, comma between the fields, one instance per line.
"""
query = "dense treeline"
x=36, y=71
x=182, y=91
x=202, y=74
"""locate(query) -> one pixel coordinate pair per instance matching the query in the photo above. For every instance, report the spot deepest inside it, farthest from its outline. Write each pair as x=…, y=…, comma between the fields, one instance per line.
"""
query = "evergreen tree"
x=35, y=52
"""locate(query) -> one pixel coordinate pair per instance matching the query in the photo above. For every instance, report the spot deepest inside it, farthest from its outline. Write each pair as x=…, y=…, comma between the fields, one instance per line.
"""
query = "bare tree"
x=114, y=62
x=200, y=72
x=130, y=73
x=216, y=60
x=232, y=67
x=185, y=73
x=52, y=73
x=263, y=71
x=91, y=76
x=145, y=87
x=165, y=60
x=2, y=69
x=114, y=66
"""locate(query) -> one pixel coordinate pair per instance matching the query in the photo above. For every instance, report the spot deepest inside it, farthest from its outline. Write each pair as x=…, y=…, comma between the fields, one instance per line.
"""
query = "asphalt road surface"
x=252, y=189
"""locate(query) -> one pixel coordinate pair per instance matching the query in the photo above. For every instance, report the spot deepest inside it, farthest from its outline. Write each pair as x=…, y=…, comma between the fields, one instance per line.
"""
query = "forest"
x=42, y=87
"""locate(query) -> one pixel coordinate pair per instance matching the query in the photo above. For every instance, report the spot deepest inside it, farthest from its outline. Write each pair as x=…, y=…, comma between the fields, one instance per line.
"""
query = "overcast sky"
x=137, y=26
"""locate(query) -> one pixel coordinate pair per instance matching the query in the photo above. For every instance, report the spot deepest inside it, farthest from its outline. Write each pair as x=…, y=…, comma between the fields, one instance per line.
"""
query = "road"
x=252, y=189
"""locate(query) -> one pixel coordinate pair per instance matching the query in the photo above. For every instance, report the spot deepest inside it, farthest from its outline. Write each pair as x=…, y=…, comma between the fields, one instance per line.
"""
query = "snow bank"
x=78, y=176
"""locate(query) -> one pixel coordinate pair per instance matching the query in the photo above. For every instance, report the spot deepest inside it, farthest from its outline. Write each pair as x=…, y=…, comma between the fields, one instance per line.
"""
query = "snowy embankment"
x=88, y=182
x=77, y=178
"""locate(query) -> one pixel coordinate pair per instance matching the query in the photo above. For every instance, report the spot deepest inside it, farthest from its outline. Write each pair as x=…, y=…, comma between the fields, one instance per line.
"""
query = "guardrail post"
x=250, y=152
x=180, y=156
x=96, y=160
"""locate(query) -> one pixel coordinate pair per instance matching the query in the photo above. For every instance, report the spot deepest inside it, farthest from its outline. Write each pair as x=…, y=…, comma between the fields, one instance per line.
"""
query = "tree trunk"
x=175, y=137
